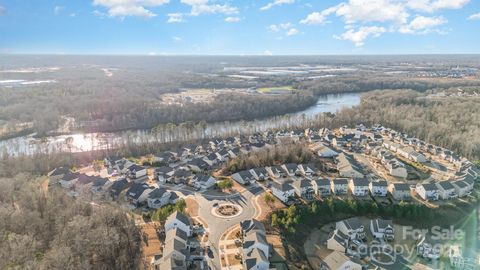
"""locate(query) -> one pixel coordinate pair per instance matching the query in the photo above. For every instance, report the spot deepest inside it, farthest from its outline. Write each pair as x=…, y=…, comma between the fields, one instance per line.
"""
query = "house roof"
x=340, y=181
x=282, y=186
x=135, y=168
x=118, y=186
x=381, y=183
x=99, y=181
x=70, y=176
x=446, y=185
x=401, y=186
x=360, y=182
x=178, y=216
x=302, y=183
x=335, y=260
x=254, y=238
x=157, y=193
x=291, y=167
x=352, y=223
x=251, y=225
x=163, y=170
x=175, y=233
x=136, y=190
x=339, y=237
x=430, y=187
x=322, y=182
x=202, y=177
x=254, y=257
x=58, y=171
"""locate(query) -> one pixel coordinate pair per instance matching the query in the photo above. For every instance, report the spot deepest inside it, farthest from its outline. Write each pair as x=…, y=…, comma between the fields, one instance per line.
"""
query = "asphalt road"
x=218, y=225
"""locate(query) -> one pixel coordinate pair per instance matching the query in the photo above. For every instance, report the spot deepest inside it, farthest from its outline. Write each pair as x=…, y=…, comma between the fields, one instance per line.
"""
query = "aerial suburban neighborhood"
x=205, y=213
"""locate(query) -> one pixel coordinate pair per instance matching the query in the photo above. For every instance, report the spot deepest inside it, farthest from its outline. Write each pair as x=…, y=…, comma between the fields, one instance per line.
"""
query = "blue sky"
x=234, y=27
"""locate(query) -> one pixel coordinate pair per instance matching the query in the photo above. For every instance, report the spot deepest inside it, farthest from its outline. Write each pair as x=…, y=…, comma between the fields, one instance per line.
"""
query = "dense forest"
x=50, y=230
x=452, y=121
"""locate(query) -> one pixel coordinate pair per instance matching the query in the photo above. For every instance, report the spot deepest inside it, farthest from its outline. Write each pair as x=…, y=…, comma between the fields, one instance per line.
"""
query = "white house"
x=462, y=188
x=325, y=151
x=428, y=248
x=307, y=169
x=260, y=174
x=382, y=229
x=158, y=197
x=351, y=227
x=256, y=260
x=400, y=191
x=339, y=261
x=243, y=177
x=283, y=191
x=396, y=168
x=163, y=173
x=338, y=241
x=340, y=186
x=427, y=191
x=359, y=186
x=203, y=181
x=137, y=172
x=292, y=169
x=378, y=188
x=322, y=187
x=446, y=190
x=348, y=167
x=180, y=221
x=255, y=240
x=138, y=193
x=304, y=189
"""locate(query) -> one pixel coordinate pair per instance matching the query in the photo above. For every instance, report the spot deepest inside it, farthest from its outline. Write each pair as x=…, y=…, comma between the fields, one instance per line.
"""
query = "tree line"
x=41, y=229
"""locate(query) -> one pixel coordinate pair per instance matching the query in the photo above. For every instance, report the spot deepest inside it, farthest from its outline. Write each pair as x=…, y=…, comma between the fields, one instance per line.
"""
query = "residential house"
x=137, y=172
x=325, y=151
x=69, y=179
x=180, y=221
x=382, y=229
x=400, y=191
x=56, y=174
x=203, y=181
x=455, y=257
x=255, y=240
x=339, y=261
x=322, y=187
x=137, y=194
x=277, y=171
x=260, y=174
x=304, y=189
x=243, y=177
x=250, y=226
x=378, y=188
x=158, y=197
x=117, y=187
x=180, y=176
x=292, y=169
x=462, y=188
x=428, y=248
x=307, y=169
x=340, y=186
x=359, y=186
x=351, y=227
x=348, y=167
x=338, y=241
x=284, y=192
x=446, y=190
x=256, y=260
x=100, y=184
x=427, y=191
x=163, y=173
x=198, y=165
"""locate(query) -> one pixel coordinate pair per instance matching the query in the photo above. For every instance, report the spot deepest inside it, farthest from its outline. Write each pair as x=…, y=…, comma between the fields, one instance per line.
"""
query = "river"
x=97, y=141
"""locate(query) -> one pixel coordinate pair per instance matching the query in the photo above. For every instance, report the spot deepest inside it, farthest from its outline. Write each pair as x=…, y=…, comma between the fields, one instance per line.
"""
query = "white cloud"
x=177, y=39
x=175, y=17
x=372, y=11
x=318, y=17
x=2, y=10
x=286, y=28
x=435, y=5
x=475, y=16
x=358, y=37
x=124, y=8
x=277, y=3
x=58, y=9
x=292, y=32
x=232, y=19
x=422, y=25
x=199, y=7
x=267, y=52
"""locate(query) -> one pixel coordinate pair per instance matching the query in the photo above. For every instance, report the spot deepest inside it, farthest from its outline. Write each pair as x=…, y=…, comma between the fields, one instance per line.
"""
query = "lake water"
x=97, y=141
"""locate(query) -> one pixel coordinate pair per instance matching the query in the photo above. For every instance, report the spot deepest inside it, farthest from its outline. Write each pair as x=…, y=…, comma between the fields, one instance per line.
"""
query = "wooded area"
x=452, y=122
x=50, y=230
